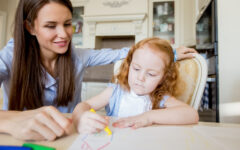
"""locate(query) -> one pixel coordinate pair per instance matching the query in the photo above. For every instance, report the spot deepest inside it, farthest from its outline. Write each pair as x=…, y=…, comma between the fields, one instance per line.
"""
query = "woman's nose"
x=62, y=32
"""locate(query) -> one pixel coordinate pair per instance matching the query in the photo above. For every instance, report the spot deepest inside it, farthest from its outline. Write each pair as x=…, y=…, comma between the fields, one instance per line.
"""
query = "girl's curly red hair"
x=168, y=85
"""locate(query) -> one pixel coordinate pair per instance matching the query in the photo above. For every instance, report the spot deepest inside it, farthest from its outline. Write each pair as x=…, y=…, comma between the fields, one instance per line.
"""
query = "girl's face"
x=146, y=70
x=53, y=29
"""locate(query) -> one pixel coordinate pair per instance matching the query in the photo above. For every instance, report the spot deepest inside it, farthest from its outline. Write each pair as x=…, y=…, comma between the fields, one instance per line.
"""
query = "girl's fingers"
x=98, y=118
x=96, y=124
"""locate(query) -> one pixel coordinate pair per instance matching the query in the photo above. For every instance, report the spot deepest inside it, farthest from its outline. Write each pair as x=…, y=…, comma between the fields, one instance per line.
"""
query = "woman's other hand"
x=45, y=123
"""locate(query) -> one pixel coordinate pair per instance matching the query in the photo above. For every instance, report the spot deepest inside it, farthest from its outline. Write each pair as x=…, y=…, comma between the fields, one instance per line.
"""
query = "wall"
x=9, y=8
x=3, y=4
x=3, y=20
x=229, y=53
x=12, y=6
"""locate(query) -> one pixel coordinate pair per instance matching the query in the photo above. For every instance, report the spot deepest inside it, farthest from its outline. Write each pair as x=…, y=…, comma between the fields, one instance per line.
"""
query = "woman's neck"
x=49, y=62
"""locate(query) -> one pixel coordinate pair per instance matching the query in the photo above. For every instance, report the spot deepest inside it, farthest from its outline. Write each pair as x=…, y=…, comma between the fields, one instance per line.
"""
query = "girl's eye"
x=151, y=75
x=136, y=69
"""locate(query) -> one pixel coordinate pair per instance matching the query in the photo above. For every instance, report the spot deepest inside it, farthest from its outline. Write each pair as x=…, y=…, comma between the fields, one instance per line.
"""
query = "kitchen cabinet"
x=77, y=24
x=201, y=6
x=173, y=20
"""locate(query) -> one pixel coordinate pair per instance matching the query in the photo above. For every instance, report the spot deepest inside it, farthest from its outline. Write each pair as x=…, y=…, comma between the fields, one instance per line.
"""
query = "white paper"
x=149, y=138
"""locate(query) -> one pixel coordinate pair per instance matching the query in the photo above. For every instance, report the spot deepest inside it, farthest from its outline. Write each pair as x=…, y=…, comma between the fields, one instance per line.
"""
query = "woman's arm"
x=175, y=113
x=45, y=123
x=88, y=122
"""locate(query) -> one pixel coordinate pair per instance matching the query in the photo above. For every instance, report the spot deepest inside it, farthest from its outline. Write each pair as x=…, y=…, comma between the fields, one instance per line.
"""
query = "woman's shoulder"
x=6, y=54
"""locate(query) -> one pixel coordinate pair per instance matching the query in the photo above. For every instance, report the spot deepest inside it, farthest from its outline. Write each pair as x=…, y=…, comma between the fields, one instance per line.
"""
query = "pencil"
x=106, y=129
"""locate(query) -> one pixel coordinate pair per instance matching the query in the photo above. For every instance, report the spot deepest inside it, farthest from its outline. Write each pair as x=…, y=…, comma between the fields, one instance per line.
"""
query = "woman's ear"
x=29, y=28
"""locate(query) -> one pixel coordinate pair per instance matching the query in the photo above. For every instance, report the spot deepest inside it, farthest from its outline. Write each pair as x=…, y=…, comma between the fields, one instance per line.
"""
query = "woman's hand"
x=185, y=53
x=45, y=123
x=91, y=122
x=133, y=122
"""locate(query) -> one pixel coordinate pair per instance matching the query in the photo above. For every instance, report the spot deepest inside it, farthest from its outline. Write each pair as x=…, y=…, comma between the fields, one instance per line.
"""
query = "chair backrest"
x=191, y=81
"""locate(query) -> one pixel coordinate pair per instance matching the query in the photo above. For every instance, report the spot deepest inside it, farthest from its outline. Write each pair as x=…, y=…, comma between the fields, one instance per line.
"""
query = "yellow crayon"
x=106, y=129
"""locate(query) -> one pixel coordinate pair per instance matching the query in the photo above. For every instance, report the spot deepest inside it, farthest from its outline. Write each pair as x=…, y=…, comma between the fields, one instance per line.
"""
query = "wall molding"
x=116, y=3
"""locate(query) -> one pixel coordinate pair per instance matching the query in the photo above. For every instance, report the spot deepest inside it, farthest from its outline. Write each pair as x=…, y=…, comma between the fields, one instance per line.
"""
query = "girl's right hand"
x=45, y=123
x=91, y=122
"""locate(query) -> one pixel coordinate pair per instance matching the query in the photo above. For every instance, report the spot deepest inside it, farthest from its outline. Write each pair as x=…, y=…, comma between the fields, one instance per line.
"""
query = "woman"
x=42, y=72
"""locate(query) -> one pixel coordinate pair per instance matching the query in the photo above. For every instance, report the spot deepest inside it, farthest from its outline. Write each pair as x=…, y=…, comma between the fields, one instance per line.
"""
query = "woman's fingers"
x=185, y=53
x=49, y=122
x=42, y=129
x=64, y=122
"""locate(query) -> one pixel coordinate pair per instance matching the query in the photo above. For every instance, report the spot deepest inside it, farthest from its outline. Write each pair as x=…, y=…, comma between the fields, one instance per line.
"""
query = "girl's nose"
x=141, y=76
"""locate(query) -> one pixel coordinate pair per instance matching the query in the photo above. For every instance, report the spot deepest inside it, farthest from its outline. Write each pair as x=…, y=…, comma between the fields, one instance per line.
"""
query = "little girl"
x=142, y=93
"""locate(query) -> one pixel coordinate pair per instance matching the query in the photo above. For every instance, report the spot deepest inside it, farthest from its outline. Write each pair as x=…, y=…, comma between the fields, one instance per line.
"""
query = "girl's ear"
x=29, y=27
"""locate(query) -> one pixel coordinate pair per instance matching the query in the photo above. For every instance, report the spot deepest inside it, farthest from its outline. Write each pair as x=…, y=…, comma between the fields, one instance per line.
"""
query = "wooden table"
x=228, y=140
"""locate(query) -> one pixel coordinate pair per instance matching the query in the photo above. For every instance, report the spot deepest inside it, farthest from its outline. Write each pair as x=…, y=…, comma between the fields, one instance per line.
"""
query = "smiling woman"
x=41, y=73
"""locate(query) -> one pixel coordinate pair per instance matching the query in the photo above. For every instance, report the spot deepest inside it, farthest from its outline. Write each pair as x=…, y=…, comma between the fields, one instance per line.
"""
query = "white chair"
x=191, y=81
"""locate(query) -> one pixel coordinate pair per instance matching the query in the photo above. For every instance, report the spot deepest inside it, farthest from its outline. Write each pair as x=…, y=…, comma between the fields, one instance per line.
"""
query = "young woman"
x=42, y=73
x=143, y=94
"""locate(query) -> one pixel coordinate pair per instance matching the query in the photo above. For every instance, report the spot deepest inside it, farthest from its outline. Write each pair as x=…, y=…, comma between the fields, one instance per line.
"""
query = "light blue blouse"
x=82, y=58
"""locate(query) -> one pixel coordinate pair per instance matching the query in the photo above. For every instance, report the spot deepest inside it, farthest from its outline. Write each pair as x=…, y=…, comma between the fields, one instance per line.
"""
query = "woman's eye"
x=67, y=24
x=50, y=26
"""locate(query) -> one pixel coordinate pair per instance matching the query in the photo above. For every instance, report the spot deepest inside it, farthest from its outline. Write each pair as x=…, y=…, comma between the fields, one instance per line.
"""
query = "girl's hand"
x=45, y=123
x=133, y=122
x=91, y=122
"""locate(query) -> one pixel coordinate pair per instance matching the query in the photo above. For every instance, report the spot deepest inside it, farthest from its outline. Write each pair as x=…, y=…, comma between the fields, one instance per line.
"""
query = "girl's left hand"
x=133, y=122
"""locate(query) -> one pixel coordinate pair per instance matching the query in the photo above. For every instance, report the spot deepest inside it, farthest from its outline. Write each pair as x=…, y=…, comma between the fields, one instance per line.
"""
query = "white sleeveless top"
x=130, y=100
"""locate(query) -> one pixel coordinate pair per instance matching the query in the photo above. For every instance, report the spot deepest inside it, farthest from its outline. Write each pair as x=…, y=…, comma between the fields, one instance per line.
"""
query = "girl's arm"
x=89, y=122
x=175, y=113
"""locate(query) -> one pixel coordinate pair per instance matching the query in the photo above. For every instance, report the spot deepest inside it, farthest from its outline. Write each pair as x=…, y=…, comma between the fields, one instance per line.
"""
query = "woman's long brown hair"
x=28, y=74
x=168, y=85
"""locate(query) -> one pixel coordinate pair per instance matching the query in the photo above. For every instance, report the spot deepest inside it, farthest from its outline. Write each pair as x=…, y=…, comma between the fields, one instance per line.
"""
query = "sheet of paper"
x=153, y=138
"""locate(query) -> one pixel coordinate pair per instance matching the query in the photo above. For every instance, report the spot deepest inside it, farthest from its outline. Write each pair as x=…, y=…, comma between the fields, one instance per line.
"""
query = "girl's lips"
x=61, y=43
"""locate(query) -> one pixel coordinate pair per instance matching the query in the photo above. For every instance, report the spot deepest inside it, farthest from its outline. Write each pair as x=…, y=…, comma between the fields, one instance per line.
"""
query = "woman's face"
x=53, y=29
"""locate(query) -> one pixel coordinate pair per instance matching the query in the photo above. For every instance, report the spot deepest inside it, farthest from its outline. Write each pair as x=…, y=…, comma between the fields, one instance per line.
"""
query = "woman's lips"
x=61, y=43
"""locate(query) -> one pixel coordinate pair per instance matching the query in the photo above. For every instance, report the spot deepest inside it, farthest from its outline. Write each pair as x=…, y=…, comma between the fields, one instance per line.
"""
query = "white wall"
x=3, y=22
x=229, y=62
x=12, y=6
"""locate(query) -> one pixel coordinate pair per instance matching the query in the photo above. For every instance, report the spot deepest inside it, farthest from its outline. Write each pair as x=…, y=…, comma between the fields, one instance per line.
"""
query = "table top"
x=64, y=143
